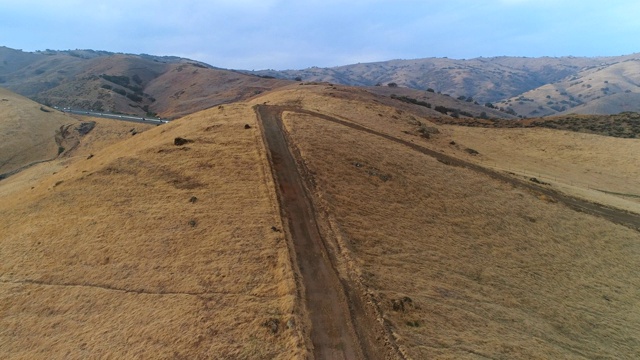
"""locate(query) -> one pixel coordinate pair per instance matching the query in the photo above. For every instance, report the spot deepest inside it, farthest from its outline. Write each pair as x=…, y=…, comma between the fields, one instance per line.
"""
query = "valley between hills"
x=286, y=219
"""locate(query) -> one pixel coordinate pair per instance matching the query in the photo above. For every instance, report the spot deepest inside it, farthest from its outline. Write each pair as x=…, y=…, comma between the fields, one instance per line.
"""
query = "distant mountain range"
x=530, y=87
x=172, y=86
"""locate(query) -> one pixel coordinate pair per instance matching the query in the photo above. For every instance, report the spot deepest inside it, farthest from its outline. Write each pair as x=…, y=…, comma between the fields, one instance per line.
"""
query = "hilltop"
x=328, y=221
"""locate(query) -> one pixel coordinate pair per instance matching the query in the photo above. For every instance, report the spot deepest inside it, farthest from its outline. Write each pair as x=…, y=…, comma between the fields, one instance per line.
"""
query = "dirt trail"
x=617, y=216
x=340, y=325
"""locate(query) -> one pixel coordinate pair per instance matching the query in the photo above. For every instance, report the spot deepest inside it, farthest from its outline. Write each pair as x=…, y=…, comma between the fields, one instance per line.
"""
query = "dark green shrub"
x=134, y=97
x=117, y=79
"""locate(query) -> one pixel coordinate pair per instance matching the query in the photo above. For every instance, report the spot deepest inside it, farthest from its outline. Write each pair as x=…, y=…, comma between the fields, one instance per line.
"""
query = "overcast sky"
x=295, y=34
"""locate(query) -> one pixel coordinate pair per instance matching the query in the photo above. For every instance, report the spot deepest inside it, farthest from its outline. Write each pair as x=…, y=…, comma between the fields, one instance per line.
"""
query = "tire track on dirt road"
x=341, y=328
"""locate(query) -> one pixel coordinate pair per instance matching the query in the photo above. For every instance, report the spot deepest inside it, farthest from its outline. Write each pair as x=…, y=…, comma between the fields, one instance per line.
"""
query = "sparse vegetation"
x=623, y=125
x=474, y=235
x=134, y=97
x=183, y=289
x=136, y=78
x=119, y=91
x=125, y=82
x=117, y=79
x=426, y=131
x=441, y=109
x=411, y=100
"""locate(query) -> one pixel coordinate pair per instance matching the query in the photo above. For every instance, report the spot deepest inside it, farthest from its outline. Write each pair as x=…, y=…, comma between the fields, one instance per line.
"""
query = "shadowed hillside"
x=607, y=88
x=522, y=83
x=173, y=87
x=132, y=84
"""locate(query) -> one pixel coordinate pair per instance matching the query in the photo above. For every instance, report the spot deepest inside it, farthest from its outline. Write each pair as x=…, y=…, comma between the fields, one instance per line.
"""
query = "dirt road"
x=341, y=327
x=617, y=216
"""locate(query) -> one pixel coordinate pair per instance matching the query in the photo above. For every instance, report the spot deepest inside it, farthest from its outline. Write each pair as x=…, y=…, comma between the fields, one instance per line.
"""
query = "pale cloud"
x=294, y=34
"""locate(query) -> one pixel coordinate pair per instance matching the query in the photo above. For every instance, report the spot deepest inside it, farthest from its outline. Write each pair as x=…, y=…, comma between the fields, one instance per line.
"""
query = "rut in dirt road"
x=340, y=325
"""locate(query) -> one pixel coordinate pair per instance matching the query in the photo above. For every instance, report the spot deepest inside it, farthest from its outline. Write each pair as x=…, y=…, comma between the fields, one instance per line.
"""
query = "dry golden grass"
x=353, y=103
x=27, y=134
x=590, y=166
x=109, y=257
x=491, y=270
x=597, y=168
x=105, y=133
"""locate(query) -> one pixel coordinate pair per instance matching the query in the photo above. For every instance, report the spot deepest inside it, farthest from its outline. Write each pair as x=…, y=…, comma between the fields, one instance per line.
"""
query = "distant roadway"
x=108, y=115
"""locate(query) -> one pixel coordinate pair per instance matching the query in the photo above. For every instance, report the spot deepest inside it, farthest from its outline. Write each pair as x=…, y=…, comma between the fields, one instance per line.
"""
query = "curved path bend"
x=341, y=325
x=618, y=216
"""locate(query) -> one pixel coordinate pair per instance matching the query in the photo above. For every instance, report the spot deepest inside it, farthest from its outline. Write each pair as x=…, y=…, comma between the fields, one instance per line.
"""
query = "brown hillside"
x=155, y=250
x=173, y=87
x=325, y=221
x=29, y=132
x=606, y=88
x=133, y=84
x=461, y=265
x=462, y=108
x=464, y=267
x=186, y=88
x=484, y=79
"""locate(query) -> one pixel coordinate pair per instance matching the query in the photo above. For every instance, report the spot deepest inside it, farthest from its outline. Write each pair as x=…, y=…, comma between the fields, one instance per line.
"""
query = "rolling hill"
x=133, y=84
x=522, y=85
x=325, y=221
x=603, y=89
x=31, y=133
x=172, y=87
x=34, y=134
